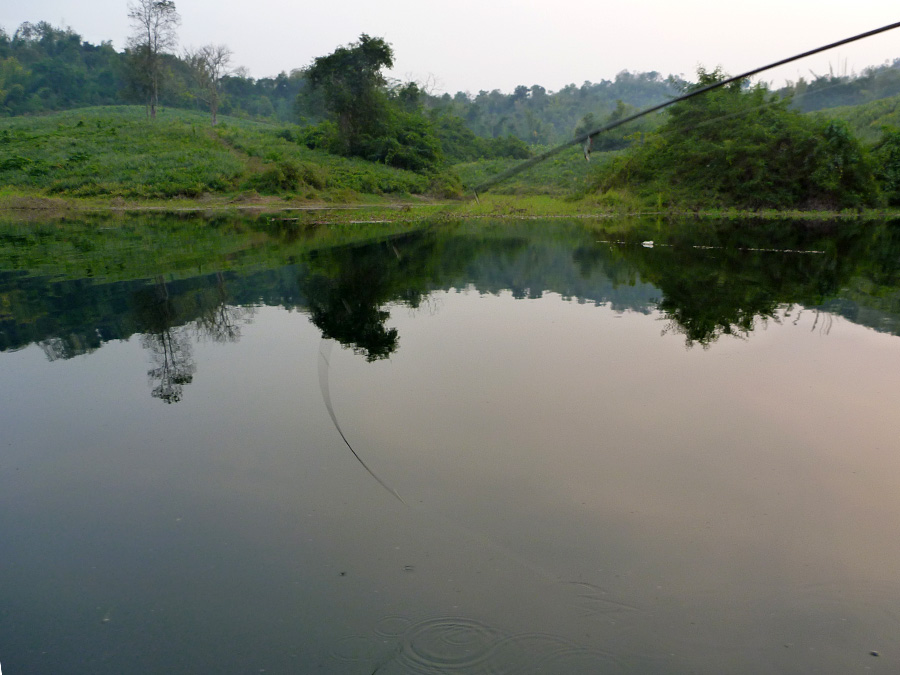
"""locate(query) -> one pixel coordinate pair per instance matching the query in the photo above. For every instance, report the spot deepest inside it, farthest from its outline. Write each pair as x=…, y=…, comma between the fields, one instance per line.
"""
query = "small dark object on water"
x=343, y=574
x=874, y=653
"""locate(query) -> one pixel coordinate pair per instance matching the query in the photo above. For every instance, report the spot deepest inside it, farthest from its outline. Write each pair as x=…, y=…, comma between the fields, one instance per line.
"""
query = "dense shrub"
x=886, y=157
x=745, y=147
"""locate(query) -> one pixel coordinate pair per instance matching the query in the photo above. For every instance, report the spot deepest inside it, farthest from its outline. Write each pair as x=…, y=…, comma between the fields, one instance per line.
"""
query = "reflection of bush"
x=724, y=278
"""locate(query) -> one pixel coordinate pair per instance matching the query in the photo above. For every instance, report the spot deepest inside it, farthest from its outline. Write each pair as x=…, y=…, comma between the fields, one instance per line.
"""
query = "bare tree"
x=154, y=23
x=209, y=64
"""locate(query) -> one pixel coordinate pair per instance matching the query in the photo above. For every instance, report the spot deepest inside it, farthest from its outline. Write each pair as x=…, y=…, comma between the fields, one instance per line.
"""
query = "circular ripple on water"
x=356, y=648
x=392, y=626
x=521, y=654
x=448, y=643
x=576, y=660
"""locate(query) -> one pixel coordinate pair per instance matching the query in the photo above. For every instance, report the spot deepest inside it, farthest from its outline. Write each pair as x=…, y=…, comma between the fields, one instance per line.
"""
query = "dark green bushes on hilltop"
x=460, y=144
x=745, y=147
x=887, y=161
x=366, y=117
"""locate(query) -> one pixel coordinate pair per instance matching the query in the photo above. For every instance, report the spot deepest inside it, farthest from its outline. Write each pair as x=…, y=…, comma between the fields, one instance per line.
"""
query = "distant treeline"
x=832, y=91
x=540, y=117
x=45, y=68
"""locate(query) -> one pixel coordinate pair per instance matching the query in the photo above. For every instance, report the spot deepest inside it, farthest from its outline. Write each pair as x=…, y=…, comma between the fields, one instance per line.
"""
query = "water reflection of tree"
x=168, y=343
x=217, y=319
x=170, y=324
x=725, y=278
x=173, y=362
x=347, y=289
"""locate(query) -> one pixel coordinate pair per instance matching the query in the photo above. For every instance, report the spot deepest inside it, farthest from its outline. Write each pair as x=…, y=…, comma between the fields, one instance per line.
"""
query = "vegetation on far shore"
x=365, y=140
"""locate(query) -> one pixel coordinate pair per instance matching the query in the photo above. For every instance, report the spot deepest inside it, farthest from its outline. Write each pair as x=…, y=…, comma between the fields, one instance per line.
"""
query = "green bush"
x=886, y=157
x=745, y=147
x=446, y=185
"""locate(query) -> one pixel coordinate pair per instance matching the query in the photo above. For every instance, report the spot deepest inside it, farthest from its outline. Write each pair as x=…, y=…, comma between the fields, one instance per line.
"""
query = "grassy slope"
x=118, y=152
x=562, y=175
x=98, y=157
x=109, y=152
x=867, y=119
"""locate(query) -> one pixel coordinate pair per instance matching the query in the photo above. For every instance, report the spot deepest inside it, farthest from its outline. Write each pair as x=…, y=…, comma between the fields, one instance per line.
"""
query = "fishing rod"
x=586, y=138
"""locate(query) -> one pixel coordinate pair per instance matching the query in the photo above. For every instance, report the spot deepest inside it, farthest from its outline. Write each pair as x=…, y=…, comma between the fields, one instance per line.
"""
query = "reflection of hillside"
x=703, y=276
x=864, y=304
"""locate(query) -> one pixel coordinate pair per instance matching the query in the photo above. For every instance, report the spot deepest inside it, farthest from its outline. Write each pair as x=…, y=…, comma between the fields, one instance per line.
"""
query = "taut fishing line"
x=585, y=137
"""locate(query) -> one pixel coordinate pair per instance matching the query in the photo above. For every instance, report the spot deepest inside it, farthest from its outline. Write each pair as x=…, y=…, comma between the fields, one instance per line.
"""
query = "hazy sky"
x=468, y=45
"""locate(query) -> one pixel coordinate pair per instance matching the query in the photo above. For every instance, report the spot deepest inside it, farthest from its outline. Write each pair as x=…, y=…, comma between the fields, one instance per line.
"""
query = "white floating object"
x=647, y=244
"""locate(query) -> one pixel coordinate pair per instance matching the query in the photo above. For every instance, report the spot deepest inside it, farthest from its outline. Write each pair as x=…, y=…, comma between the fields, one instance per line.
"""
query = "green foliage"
x=446, y=185
x=834, y=90
x=289, y=176
x=538, y=117
x=460, y=144
x=366, y=118
x=333, y=171
x=114, y=152
x=887, y=161
x=620, y=137
x=563, y=175
x=745, y=147
x=353, y=86
x=43, y=68
x=406, y=141
x=869, y=119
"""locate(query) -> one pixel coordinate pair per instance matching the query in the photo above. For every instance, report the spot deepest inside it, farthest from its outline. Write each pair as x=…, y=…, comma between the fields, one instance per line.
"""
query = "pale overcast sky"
x=468, y=45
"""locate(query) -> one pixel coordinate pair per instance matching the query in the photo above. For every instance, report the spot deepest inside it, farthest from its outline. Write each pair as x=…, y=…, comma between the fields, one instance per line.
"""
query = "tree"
x=208, y=65
x=12, y=78
x=154, y=23
x=353, y=87
x=368, y=118
x=887, y=164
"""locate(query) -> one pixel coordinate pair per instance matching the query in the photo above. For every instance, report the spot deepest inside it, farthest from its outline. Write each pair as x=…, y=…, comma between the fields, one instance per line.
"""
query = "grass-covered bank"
x=116, y=152
x=113, y=159
x=17, y=206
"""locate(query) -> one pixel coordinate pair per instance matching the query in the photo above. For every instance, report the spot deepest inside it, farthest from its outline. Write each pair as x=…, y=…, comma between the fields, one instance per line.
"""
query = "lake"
x=548, y=446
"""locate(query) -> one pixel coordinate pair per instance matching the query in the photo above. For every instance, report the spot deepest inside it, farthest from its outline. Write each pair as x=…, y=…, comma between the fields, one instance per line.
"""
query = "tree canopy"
x=367, y=117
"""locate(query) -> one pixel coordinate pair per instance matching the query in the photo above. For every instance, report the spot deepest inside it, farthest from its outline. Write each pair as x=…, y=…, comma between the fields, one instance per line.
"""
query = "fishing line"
x=324, y=367
x=747, y=111
x=585, y=137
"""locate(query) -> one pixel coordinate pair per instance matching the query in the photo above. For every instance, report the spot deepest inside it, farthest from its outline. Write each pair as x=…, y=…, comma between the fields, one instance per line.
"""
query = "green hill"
x=118, y=152
x=867, y=119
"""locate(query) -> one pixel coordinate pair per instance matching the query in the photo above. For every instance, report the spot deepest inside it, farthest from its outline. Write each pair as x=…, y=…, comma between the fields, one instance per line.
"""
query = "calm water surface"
x=566, y=451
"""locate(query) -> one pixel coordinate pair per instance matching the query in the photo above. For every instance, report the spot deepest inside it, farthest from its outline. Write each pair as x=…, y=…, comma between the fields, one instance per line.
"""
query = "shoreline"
x=526, y=207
